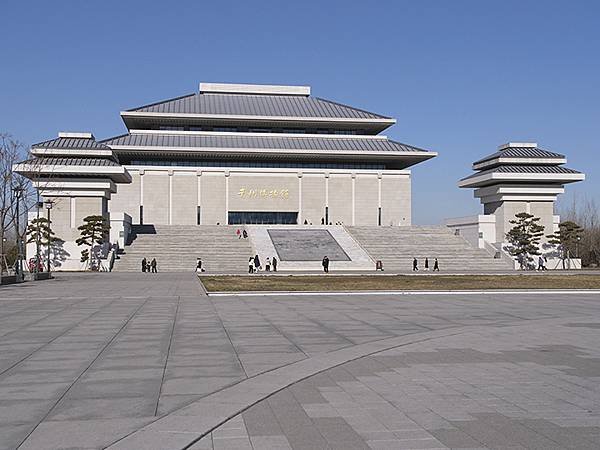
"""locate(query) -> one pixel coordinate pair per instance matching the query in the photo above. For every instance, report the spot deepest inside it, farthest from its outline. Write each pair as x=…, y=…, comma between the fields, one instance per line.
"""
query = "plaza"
x=139, y=361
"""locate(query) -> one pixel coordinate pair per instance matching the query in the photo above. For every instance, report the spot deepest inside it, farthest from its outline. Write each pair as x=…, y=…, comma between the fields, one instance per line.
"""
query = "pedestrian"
x=325, y=264
x=199, y=268
x=436, y=266
x=256, y=263
x=245, y=234
x=541, y=263
x=322, y=221
x=415, y=265
x=239, y=233
x=148, y=265
x=426, y=265
x=305, y=222
x=153, y=265
x=251, y=265
x=144, y=265
x=268, y=264
x=274, y=264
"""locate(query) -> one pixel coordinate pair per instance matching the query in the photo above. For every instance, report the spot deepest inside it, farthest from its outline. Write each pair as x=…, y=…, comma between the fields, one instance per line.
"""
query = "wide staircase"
x=397, y=246
x=176, y=248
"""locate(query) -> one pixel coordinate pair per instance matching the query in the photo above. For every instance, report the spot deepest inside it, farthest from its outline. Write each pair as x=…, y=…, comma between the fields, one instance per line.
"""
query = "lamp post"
x=18, y=190
x=48, y=205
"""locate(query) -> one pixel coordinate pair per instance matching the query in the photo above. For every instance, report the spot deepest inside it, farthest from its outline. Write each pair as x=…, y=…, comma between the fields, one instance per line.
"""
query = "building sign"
x=264, y=193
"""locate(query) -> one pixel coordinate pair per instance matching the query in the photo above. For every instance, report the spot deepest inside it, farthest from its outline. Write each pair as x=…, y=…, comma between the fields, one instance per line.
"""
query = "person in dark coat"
x=256, y=263
x=274, y=264
x=153, y=265
x=326, y=264
x=144, y=265
x=436, y=267
x=426, y=264
x=251, y=265
x=415, y=265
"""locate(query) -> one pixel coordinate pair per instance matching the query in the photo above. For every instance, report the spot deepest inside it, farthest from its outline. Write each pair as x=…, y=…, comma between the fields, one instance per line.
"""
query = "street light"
x=18, y=190
x=48, y=205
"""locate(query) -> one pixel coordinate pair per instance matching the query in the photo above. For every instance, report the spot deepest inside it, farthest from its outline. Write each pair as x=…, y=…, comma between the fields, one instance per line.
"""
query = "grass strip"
x=237, y=283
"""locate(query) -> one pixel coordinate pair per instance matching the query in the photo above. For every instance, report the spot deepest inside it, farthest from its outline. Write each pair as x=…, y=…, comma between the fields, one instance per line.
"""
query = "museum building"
x=236, y=154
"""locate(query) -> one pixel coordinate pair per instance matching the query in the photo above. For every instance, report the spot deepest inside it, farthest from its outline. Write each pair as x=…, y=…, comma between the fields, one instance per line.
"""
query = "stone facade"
x=172, y=196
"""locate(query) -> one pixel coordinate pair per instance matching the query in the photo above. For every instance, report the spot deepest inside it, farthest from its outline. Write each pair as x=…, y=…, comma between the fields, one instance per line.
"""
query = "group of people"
x=255, y=266
x=149, y=266
x=436, y=265
x=241, y=234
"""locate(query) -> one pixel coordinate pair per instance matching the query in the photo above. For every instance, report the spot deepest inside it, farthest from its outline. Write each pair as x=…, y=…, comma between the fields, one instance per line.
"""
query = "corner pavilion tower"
x=519, y=177
x=231, y=154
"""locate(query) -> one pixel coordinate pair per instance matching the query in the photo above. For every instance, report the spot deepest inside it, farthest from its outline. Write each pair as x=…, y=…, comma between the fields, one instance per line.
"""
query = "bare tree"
x=585, y=211
x=12, y=186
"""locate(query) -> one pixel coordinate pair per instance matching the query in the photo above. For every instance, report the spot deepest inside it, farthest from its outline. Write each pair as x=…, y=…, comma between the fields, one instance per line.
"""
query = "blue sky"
x=460, y=77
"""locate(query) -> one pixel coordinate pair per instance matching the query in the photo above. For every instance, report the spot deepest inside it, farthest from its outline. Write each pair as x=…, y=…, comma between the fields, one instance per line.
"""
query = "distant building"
x=519, y=177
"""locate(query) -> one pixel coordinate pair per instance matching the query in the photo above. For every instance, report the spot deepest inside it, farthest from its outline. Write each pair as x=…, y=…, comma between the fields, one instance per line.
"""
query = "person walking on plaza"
x=436, y=266
x=256, y=263
x=153, y=265
x=239, y=233
x=415, y=265
x=268, y=264
x=199, y=268
x=326, y=264
x=144, y=265
x=426, y=264
x=251, y=265
x=245, y=234
x=274, y=264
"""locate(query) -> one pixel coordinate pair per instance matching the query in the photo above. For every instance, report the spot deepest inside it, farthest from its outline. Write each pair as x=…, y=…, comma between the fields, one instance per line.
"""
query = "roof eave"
x=479, y=180
x=212, y=150
x=358, y=120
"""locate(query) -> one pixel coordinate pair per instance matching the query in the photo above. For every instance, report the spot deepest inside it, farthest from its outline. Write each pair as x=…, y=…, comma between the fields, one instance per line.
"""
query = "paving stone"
x=526, y=376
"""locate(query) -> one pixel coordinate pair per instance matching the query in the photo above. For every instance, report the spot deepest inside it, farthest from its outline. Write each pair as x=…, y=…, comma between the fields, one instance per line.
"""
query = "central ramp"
x=306, y=245
x=302, y=248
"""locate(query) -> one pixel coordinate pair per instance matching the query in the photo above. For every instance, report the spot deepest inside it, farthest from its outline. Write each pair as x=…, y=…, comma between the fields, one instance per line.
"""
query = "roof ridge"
x=352, y=107
x=408, y=145
x=163, y=101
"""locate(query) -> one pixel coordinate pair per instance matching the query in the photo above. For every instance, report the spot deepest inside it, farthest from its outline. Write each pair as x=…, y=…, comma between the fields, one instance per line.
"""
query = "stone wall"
x=172, y=195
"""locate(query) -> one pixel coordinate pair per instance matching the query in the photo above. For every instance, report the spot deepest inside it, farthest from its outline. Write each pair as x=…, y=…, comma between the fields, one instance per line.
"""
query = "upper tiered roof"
x=521, y=162
x=255, y=105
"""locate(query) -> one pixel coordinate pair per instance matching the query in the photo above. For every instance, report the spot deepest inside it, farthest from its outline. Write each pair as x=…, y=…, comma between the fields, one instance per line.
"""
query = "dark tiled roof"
x=521, y=152
x=71, y=143
x=533, y=169
x=526, y=170
x=262, y=142
x=72, y=162
x=257, y=105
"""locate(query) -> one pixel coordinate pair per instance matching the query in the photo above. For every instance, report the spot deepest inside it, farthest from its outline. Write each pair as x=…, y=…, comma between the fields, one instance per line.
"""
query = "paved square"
x=130, y=361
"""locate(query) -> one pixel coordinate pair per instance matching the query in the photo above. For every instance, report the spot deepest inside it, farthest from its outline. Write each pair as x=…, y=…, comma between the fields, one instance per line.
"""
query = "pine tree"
x=524, y=238
x=39, y=231
x=566, y=239
x=93, y=231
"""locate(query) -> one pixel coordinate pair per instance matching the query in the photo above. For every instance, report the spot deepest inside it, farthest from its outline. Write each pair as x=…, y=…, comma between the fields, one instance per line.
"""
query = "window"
x=262, y=217
x=263, y=164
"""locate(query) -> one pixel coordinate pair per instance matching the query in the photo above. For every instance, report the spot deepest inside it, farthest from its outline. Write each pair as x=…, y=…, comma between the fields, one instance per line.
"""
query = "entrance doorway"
x=262, y=217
